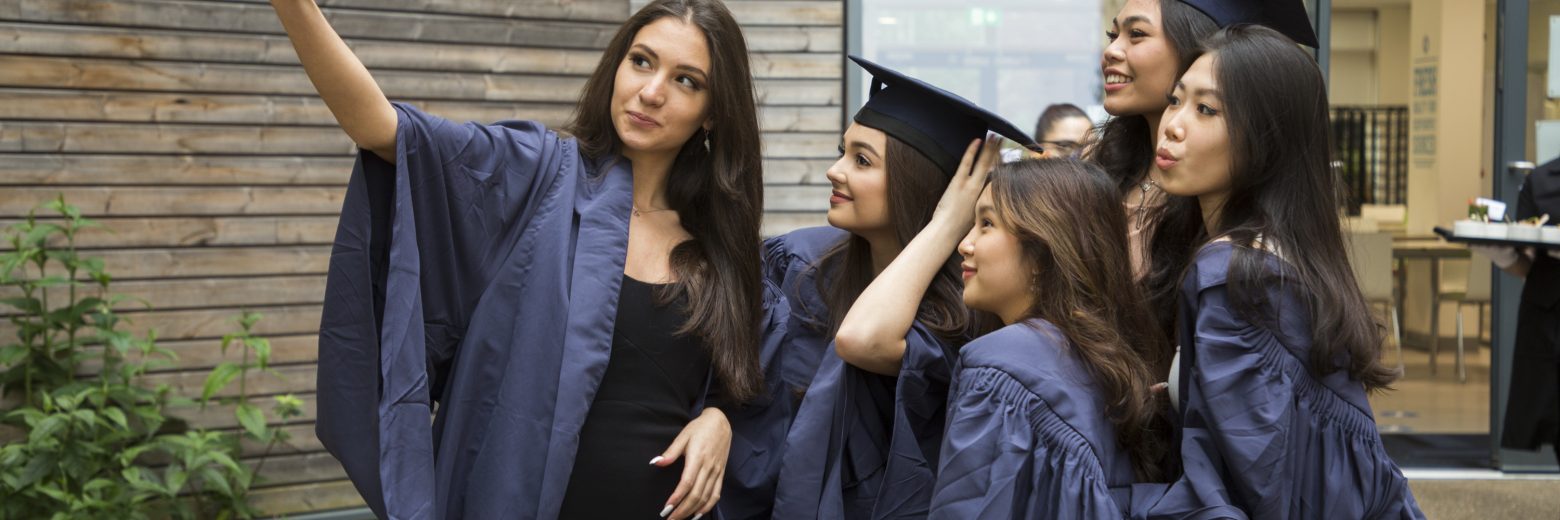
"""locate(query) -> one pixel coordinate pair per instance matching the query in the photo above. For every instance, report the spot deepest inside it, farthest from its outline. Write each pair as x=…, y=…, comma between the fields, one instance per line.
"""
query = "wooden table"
x=1435, y=251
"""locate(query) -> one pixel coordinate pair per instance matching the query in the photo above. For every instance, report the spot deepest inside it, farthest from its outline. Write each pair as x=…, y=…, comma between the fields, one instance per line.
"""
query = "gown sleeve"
x=1008, y=454
x=415, y=248
x=1261, y=438
x=919, y=412
x=758, y=427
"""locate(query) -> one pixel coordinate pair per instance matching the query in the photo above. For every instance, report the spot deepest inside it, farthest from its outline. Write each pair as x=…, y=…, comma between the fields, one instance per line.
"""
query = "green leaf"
x=129, y=455
x=52, y=281
x=226, y=462
x=248, y=319
x=262, y=348
x=215, y=480
x=219, y=379
x=174, y=478
x=288, y=406
x=47, y=428
x=144, y=480
x=37, y=468
x=53, y=492
x=117, y=416
x=98, y=483
x=252, y=419
x=31, y=306
x=86, y=416
x=12, y=354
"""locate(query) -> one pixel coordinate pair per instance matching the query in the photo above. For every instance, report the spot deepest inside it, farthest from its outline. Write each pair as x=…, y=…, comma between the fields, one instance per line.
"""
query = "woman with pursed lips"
x=1279, y=349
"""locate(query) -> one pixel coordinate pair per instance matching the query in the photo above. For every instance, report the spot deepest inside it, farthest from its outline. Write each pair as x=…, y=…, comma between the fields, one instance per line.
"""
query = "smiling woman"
x=571, y=306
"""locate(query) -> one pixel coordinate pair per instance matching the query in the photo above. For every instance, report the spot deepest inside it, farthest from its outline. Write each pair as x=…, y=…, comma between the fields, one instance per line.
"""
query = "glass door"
x=1527, y=133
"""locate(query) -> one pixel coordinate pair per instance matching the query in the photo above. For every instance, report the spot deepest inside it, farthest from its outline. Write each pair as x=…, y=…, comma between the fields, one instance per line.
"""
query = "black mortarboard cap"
x=935, y=122
x=1285, y=16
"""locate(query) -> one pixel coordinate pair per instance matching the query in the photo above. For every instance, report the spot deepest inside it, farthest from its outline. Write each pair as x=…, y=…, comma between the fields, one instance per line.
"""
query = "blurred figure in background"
x=1062, y=130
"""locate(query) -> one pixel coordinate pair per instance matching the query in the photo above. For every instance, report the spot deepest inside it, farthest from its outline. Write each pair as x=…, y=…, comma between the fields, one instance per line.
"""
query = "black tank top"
x=646, y=397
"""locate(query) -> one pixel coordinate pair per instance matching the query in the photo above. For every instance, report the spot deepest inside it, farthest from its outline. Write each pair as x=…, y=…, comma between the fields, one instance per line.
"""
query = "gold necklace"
x=638, y=212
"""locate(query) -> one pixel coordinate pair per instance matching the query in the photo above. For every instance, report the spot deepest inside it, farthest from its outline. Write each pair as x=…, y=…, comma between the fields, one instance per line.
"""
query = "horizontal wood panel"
x=220, y=416
x=779, y=223
x=785, y=12
x=149, y=107
x=213, y=292
x=203, y=354
x=252, y=16
x=282, y=470
x=602, y=10
x=235, y=231
x=214, y=261
x=225, y=200
x=199, y=231
x=23, y=169
x=67, y=170
x=796, y=198
x=302, y=441
x=284, y=379
x=356, y=24
x=277, y=50
x=97, y=73
x=302, y=498
x=777, y=172
x=208, y=324
x=95, y=202
x=51, y=137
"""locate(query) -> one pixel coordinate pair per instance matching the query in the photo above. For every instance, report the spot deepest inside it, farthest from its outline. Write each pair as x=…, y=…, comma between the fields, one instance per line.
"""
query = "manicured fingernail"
x=666, y=510
x=696, y=517
x=652, y=463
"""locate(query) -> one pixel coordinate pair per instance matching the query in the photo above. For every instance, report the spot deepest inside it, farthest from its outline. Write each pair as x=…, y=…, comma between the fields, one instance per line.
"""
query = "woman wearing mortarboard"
x=1150, y=43
x=865, y=368
x=560, y=305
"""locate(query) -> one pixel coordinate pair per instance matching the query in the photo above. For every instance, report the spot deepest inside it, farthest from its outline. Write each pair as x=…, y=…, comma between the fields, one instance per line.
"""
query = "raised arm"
x=342, y=81
x=872, y=335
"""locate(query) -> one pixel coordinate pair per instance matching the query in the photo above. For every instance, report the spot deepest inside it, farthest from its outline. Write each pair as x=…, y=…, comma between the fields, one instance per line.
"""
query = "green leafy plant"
x=80, y=435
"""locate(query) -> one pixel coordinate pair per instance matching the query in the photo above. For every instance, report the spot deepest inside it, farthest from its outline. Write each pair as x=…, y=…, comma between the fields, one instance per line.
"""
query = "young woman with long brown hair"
x=1278, y=347
x=1052, y=411
x=561, y=304
x=866, y=364
x=1150, y=43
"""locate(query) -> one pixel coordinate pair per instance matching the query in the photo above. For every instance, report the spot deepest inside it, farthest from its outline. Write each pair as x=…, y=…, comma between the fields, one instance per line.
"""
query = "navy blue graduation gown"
x=480, y=272
x=759, y=429
x=1259, y=436
x=1028, y=433
x=861, y=445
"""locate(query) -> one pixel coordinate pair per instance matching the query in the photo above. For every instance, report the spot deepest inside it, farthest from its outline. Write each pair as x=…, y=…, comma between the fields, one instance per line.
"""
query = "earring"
x=706, y=141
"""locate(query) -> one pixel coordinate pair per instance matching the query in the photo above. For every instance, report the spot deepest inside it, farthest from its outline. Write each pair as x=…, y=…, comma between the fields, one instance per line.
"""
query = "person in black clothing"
x=1533, y=414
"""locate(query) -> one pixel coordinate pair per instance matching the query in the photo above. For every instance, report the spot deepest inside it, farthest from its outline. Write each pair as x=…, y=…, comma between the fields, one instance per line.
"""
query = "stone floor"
x=1510, y=496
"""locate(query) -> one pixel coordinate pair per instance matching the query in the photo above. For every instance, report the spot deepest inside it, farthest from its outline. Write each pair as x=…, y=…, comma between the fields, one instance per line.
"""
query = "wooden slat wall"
x=188, y=129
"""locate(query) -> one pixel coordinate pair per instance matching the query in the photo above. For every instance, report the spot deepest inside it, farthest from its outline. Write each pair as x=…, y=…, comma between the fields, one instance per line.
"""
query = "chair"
x=1471, y=289
x=1370, y=254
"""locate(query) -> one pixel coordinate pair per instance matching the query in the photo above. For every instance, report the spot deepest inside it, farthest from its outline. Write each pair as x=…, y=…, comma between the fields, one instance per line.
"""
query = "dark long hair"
x=1284, y=195
x=1124, y=147
x=718, y=194
x=1067, y=218
x=915, y=184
